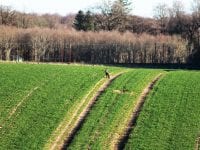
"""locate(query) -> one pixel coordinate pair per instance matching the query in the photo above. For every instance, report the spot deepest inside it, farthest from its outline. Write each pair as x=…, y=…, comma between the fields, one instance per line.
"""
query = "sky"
x=63, y=7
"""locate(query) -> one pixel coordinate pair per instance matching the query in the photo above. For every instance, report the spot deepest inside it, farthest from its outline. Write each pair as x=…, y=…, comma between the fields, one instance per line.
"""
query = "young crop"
x=170, y=117
x=34, y=99
x=109, y=117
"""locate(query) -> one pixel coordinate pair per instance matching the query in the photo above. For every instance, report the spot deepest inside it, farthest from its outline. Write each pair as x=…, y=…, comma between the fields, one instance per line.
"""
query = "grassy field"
x=170, y=118
x=109, y=117
x=34, y=99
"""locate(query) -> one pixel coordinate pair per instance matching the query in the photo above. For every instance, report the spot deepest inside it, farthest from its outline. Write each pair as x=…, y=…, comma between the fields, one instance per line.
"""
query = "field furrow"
x=87, y=109
x=197, y=147
x=68, y=130
x=138, y=107
x=170, y=117
x=20, y=103
x=34, y=120
x=46, y=106
x=108, y=118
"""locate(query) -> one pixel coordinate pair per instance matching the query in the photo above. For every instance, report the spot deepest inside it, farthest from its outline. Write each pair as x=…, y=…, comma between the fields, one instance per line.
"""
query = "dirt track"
x=138, y=107
x=197, y=144
x=81, y=117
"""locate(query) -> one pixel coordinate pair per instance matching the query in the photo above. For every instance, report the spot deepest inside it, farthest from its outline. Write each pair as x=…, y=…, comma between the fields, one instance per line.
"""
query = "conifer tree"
x=79, y=22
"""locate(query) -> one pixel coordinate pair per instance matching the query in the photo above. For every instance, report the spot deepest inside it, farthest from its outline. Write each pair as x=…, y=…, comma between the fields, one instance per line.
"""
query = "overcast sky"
x=140, y=7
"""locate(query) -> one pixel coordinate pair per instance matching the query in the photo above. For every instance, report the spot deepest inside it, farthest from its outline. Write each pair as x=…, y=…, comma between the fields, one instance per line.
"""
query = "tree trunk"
x=8, y=51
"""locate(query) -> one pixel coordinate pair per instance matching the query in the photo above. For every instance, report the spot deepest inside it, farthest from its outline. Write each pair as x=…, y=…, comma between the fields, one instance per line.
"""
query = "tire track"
x=15, y=108
x=81, y=117
x=197, y=147
x=20, y=103
x=137, y=109
x=69, y=123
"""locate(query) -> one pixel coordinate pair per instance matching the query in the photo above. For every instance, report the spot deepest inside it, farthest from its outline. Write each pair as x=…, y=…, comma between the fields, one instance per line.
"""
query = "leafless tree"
x=113, y=15
x=7, y=15
x=161, y=14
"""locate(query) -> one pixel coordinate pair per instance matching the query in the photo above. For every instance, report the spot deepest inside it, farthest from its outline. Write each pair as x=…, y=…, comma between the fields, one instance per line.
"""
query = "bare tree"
x=120, y=11
x=194, y=34
x=8, y=38
x=7, y=15
x=177, y=8
x=113, y=15
x=196, y=7
x=161, y=14
x=196, y=13
x=103, y=17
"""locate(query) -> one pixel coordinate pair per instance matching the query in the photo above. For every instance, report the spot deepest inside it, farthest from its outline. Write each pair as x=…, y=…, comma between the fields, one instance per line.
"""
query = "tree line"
x=110, y=18
x=11, y=17
x=62, y=45
x=167, y=21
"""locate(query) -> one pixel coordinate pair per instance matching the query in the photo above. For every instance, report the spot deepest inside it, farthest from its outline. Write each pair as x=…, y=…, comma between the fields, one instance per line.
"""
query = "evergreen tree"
x=84, y=21
x=89, y=21
x=79, y=22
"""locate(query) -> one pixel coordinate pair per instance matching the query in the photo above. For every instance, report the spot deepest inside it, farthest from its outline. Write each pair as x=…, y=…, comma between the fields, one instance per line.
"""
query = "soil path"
x=78, y=118
x=138, y=107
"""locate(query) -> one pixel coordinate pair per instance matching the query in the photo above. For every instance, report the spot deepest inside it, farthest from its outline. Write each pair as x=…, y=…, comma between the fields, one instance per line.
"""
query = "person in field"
x=107, y=74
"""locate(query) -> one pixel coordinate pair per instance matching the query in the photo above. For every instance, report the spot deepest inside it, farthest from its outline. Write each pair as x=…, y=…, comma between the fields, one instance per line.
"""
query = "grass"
x=36, y=100
x=59, y=90
x=170, y=118
x=67, y=125
x=108, y=118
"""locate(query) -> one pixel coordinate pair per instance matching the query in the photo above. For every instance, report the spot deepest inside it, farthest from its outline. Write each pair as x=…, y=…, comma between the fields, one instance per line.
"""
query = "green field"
x=38, y=99
x=108, y=119
x=170, y=118
x=34, y=99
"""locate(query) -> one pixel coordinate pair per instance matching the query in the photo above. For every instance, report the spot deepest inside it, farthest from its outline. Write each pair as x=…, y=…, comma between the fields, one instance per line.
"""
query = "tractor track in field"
x=82, y=116
x=21, y=102
x=137, y=109
x=15, y=108
x=197, y=146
